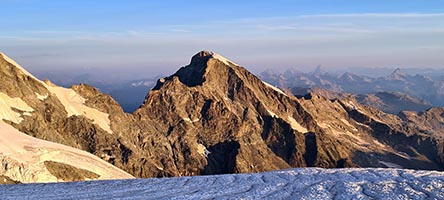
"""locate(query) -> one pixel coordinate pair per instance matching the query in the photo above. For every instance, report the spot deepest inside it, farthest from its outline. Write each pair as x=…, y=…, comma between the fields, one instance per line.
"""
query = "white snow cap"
x=222, y=59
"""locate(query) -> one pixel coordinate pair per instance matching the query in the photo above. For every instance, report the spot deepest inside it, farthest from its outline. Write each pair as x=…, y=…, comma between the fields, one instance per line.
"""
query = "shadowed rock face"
x=67, y=172
x=214, y=117
x=7, y=180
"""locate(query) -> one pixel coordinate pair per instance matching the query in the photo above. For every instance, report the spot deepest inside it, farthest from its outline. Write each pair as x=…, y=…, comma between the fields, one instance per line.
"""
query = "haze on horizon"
x=157, y=37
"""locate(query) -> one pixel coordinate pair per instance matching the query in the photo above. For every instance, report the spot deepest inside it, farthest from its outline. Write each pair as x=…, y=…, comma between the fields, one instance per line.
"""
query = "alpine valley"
x=210, y=117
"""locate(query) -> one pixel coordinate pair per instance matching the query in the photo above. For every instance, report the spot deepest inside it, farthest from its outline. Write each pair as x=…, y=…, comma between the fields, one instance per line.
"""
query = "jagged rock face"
x=222, y=119
x=392, y=102
x=415, y=146
x=389, y=102
x=430, y=122
x=215, y=104
x=214, y=117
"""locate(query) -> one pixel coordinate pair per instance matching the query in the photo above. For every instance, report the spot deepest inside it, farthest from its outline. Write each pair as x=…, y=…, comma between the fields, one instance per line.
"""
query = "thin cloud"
x=181, y=31
x=378, y=15
x=54, y=32
x=329, y=29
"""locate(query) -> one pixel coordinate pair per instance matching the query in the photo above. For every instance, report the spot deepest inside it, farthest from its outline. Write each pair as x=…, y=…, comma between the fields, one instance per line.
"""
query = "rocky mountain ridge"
x=32, y=106
x=214, y=117
x=389, y=102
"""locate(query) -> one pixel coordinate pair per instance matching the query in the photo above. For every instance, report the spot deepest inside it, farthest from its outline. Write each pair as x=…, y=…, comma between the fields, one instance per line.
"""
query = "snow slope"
x=303, y=183
x=22, y=158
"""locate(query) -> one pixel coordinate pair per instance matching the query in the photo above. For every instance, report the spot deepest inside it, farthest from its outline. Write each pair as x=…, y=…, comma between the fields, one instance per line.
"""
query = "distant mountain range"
x=215, y=117
x=392, y=93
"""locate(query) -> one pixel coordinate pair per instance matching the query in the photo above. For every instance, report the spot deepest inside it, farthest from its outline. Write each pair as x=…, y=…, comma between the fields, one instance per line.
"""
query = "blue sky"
x=152, y=37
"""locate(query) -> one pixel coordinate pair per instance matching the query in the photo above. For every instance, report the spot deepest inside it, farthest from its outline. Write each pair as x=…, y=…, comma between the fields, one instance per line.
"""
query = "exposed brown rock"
x=7, y=180
x=67, y=172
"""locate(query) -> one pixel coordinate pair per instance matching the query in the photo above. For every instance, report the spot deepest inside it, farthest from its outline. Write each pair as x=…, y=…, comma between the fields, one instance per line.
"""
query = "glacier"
x=298, y=183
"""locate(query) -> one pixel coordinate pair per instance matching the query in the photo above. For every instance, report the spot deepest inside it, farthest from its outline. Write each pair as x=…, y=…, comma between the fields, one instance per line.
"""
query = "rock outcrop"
x=389, y=102
x=393, y=102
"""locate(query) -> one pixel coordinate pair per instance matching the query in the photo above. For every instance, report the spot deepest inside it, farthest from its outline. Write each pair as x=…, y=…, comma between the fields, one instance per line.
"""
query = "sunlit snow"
x=274, y=88
x=7, y=104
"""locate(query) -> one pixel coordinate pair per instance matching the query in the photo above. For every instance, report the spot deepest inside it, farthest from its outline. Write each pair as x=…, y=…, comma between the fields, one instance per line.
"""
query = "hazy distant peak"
x=348, y=76
x=269, y=71
x=293, y=71
x=319, y=70
x=397, y=74
x=397, y=71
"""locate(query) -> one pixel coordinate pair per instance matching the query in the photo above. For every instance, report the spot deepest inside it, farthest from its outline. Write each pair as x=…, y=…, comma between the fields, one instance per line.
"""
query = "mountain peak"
x=397, y=71
x=201, y=55
x=199, y=69
x=204, y=53
x=398, y=74
x=210, y=54
x=319, y=70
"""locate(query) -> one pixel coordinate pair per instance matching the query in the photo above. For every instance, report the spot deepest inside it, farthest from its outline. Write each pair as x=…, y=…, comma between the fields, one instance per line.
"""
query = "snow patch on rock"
x=187, y=119
x=274, y=88
x=41, y=97
x=296, y=126
x=271, y=113
x=353, y=106
x=6, y=108
x=201, y=149
x=222, y=59
x=75, y=105
x=390, y=164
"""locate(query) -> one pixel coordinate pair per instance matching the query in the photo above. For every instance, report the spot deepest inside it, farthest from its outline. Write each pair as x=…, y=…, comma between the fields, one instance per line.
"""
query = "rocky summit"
x=214, y=117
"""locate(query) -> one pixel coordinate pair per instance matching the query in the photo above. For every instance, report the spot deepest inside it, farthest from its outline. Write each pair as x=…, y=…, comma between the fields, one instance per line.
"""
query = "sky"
x=157, y=37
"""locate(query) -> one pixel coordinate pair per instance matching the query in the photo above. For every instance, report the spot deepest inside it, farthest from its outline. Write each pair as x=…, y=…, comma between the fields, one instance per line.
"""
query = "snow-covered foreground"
x=307, y=183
